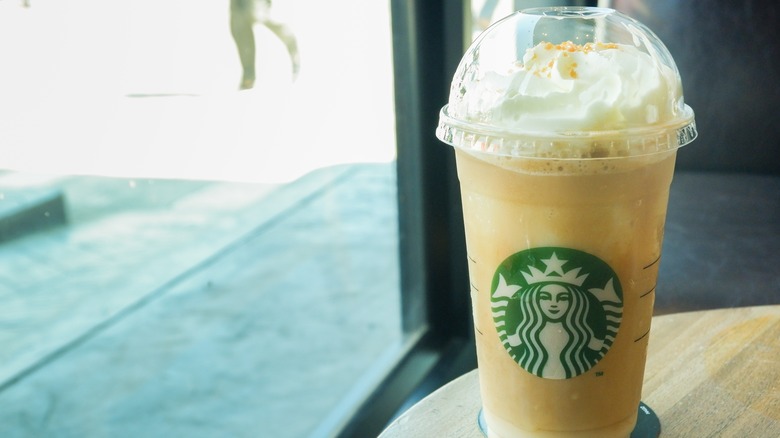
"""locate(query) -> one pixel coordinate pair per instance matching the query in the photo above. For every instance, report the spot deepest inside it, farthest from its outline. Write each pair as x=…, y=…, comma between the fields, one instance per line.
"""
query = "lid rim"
x=614, y=144
x=476, y=128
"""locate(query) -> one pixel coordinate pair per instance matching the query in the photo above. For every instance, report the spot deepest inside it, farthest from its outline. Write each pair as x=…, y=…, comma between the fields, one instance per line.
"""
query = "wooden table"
x=709, y=373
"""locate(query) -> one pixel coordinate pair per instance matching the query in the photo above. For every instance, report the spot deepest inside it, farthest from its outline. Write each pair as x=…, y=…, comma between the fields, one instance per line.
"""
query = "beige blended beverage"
x=565, y=123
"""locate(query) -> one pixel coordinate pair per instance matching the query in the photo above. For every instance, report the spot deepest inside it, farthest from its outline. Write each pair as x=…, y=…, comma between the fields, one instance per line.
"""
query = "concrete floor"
x=220, y=309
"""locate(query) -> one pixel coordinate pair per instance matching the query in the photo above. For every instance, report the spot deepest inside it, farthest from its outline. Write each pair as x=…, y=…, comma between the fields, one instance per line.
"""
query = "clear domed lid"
x=550, y=81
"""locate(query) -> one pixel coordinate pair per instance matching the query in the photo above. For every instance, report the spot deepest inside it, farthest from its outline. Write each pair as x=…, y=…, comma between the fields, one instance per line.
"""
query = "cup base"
x=647, y=423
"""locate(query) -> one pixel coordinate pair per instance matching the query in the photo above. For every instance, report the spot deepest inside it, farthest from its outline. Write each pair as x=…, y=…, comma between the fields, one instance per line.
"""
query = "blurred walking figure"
x=243, y=16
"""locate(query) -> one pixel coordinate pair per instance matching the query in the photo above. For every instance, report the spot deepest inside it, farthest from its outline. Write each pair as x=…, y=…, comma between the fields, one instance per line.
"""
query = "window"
x=178, y=257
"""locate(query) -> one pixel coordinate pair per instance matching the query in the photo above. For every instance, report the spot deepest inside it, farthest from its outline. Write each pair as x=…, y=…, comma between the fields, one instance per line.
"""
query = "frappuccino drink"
x=565, y=124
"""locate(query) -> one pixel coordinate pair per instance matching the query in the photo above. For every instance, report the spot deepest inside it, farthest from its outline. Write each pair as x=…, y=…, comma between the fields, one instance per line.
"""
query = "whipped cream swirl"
x=576, y=88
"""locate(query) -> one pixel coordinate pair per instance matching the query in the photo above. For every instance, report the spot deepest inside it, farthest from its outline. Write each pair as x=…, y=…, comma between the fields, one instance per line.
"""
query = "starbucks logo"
x=557, y=310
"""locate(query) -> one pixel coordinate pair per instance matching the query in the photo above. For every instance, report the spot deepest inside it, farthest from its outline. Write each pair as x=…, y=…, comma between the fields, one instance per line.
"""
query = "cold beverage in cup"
x=565, y=123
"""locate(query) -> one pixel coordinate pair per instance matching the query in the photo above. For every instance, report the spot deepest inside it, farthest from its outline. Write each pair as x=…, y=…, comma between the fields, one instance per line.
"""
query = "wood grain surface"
x=712, y=373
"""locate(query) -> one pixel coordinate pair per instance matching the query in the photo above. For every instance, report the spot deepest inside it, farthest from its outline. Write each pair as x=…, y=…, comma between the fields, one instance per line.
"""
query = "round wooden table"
x=709, y=373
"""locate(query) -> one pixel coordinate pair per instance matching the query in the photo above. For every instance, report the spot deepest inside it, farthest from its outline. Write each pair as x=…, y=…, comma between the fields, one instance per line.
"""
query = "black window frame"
x=428, y=41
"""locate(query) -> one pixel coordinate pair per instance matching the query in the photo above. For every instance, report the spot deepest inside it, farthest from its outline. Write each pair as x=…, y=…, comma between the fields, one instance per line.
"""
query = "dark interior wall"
x=728, y=54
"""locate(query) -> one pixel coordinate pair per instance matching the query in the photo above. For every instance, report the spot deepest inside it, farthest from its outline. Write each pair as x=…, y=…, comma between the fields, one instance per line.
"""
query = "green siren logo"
x=557, y=310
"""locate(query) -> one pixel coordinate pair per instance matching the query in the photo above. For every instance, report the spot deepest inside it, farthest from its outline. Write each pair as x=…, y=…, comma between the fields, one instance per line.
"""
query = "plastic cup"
x=564, y=204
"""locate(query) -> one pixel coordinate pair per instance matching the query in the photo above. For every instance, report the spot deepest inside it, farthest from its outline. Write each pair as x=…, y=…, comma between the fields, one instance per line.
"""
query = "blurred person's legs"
x=242, y=18
x=286, y=35
x=243, y=15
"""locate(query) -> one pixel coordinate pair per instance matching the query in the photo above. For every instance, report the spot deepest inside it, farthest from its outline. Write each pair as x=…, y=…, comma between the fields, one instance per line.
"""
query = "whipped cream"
x=576, y=88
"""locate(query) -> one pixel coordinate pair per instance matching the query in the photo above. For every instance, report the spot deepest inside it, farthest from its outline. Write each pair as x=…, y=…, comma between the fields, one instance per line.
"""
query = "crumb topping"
x=560, y=54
